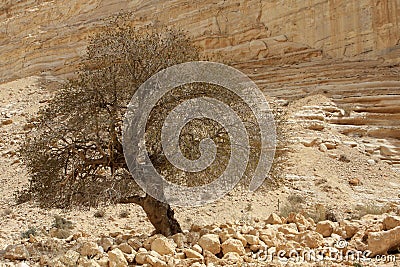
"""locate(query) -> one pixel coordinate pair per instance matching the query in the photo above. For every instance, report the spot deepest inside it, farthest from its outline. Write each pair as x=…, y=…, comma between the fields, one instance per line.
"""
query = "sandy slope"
x=318, y=177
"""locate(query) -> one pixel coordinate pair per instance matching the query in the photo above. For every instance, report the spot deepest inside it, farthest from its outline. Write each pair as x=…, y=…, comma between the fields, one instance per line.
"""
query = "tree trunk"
x=160, y=214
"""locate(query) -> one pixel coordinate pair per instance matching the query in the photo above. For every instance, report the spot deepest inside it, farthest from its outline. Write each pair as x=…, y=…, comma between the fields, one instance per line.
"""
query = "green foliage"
x=29, y=232
x=62, y=223
x=74, y=156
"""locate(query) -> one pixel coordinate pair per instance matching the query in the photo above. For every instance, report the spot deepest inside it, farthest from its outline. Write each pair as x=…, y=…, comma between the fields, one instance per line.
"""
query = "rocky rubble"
x=256, y=243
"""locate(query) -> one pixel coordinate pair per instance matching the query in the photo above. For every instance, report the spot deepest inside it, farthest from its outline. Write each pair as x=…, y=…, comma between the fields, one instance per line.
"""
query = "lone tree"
x=74, y=154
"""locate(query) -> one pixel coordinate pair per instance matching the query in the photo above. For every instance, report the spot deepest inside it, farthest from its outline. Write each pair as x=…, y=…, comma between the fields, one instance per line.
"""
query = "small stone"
x=233, y=257
x=135, y=243
x=288, y=229
x=125, y=248
x=70, y=258
x=179, y=239
x=103, y=262
x=85, y=262
x=90, y=249
x=60, y=233
x=16, y=252
x=106, y=243
x=211, y=243
x=117, y=258
x=197, y=248
x=323, y=148
x=274, y=219
x=233, y=245
x=355, y=182
x=240, y=237
x=252, y=240
x=190, y=253
x=141, y=257
x=325, y=228
x=155, y=262
x=7, y=122
x=371, y=162
x=163, y=246
x=349, y=229
x=148, y=241
x=310, y=239
x=391, y=222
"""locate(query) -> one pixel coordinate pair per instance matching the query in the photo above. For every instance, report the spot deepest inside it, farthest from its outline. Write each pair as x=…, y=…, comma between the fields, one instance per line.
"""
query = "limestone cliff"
x=49, y=35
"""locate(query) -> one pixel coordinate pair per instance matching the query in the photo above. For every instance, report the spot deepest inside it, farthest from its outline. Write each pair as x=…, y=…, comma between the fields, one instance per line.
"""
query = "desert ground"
x=324, y=193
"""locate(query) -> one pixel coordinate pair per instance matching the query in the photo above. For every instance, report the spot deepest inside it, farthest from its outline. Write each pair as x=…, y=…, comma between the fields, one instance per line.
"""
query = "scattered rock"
x=233, y=245
x=60, y=233
x=90, y=249
x=323, y=148
x=106, y=243
x=211, y=243
x=70, y=258
x=391, y=222
x=274, y=219
x=135, y=243
x=117, y=258
x=125, y=248
x=232, y=257
x=163, y=246
x=7, y=122
x=190, y=253
x=325, y=228
x=155, y=262
x=355, y=182
x=251, y=239
x=310, y=239
x=16, y=252
x=379, y=243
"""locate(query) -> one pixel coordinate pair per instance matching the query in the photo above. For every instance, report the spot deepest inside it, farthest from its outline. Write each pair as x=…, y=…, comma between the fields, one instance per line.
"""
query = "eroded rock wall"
x=48, y=36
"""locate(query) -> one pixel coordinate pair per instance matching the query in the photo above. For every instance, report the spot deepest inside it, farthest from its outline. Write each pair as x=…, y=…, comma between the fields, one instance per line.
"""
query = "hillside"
x=332, y=68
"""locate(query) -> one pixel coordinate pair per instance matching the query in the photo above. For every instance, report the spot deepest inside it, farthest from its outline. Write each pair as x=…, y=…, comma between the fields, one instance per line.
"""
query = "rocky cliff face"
x=347, y=50
x=44, y=35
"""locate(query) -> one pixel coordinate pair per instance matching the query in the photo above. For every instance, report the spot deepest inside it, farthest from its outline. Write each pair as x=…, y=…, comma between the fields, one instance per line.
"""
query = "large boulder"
x=381, y=242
